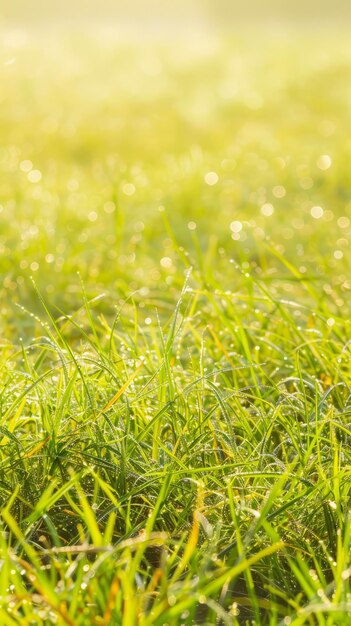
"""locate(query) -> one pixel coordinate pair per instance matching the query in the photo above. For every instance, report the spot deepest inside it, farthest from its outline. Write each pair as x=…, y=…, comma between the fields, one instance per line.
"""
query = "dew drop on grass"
x=343, y=222
x=34, y=176
x=267, y=209
x=26, y=165
x=234, y=609
x=324, y=162
x=128, y=189
x=166, y=262
x=236, y=226
x=211, y=178
x=279, y=191
x=317, y=212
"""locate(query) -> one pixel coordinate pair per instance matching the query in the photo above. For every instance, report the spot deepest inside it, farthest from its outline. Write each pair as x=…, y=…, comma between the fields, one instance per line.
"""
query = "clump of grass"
x=176, y=473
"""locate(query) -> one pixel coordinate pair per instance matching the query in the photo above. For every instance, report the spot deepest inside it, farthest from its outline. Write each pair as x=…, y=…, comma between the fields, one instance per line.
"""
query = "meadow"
x=175, y=320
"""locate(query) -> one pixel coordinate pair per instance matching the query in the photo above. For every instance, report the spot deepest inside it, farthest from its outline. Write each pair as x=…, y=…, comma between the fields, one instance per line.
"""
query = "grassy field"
x=175, y=300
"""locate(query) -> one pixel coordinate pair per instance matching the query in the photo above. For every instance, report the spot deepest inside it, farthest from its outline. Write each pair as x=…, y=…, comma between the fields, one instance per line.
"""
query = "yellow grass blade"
x=120, y=391
x=36, y=448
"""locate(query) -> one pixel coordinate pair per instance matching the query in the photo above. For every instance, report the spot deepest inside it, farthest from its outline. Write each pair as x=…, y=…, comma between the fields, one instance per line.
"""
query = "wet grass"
x=175, y=363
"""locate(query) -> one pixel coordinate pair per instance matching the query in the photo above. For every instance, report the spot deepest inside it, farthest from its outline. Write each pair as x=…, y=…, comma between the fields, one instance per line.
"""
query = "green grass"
x=175, y=364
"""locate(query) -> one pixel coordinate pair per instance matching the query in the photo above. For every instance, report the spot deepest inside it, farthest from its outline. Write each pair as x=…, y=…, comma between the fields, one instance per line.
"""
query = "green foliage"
x=175, y=376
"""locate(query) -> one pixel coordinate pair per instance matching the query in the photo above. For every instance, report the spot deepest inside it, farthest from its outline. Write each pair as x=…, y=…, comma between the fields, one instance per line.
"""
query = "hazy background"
x=100, y=128
x=224, y=12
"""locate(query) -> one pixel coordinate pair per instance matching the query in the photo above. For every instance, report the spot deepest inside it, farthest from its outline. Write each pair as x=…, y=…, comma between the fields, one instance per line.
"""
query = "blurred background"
x=223, y=12
x=142, y=137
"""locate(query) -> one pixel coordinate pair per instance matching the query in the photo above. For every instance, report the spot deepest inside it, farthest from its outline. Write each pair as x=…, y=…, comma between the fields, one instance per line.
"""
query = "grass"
x=175, y=363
